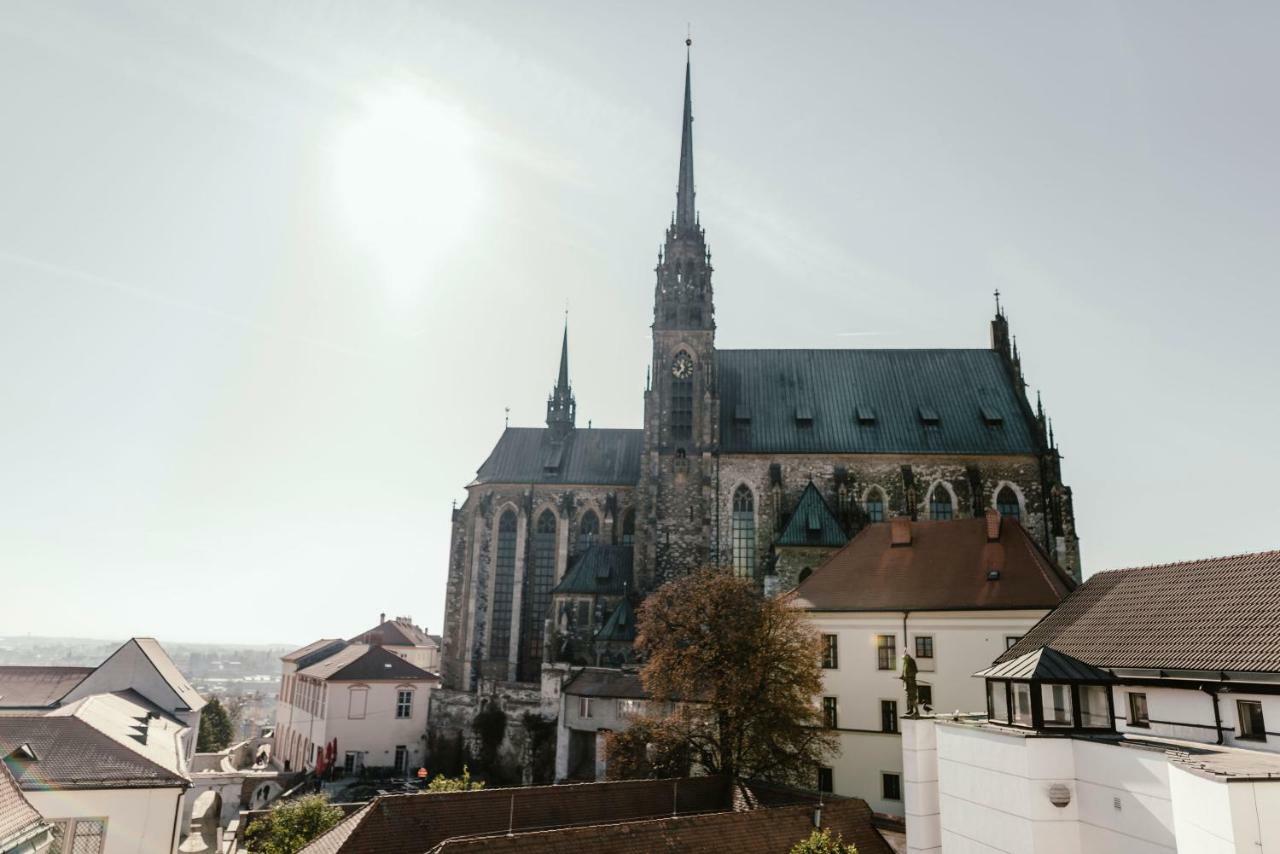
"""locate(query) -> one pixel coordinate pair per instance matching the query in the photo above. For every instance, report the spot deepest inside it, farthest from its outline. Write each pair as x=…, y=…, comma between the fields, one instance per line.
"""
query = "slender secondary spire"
x=562, y=382
x=686, y=212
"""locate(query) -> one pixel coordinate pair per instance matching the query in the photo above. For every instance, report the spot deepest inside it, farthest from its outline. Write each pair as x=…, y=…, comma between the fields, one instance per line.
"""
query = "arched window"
x=874, y=505
x=805, y=573
x=744, y=533
x=504, y=585
x=940, y=504
x=1007, y=503
x=629, y=528
x=537, y=596
x=588, y=530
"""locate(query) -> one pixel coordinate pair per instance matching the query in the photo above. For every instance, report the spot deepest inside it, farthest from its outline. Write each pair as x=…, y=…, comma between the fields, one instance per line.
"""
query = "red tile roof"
x=762, y=831
x=1214, y=614
x=945, y=567
x=17, y=817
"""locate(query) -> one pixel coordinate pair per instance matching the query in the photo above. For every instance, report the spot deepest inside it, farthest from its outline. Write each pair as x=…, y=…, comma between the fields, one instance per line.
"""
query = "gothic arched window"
x=744, y=533
x=940, y=504
x=588, y=530
x=805, y=573
x=629, y=528
x=1007, y=503
x=874, y=505
x=537, y=595
x=504, y=583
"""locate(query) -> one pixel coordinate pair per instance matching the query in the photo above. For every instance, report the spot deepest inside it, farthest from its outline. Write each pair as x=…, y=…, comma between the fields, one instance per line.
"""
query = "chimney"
x=900, y=531
x=993, y=525
x=382, y=618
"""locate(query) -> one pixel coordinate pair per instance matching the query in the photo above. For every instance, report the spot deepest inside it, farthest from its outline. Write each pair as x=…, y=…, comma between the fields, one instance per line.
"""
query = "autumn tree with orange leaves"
x=731, y=676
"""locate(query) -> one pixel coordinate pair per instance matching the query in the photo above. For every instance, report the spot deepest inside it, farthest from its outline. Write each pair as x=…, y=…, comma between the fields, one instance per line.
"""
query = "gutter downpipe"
x=1217, y=712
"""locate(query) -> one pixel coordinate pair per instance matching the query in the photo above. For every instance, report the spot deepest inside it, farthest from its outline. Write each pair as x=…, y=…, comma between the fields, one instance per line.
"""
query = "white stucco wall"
x=379, y=731
x=139, y=821
x=964, y=642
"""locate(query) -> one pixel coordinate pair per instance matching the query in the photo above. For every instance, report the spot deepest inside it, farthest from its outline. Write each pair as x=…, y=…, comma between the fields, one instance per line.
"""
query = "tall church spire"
x=561, y=407
x=686, y=212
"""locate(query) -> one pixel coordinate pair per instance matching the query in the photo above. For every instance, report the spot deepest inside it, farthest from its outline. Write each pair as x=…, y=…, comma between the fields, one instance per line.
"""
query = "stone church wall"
x=470, y=596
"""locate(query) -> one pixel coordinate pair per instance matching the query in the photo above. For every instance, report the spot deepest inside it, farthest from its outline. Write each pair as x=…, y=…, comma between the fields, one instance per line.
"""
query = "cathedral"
x=762, y=462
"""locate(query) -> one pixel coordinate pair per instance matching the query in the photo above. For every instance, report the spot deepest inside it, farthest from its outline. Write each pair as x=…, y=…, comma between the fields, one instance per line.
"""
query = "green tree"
x=215, y=728
x=822, y=842
x=463, y=783
x=288, y=826
x=738, y=672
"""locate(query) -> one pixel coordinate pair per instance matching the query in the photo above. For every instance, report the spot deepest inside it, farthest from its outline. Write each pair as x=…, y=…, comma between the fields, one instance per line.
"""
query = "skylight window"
x=928, y=416
x=804, y=413
x=992, y=416
x=865, y=414
x=742, y=413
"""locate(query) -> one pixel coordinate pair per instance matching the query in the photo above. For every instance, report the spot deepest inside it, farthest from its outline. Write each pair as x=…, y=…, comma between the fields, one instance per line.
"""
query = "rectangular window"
x=1056, y=702
x=1010, y=640
x=924, y=646
x=830, y=652
x=886, y=652
x=404, y=704
x=826, y=780
x=891, y=786
x=402, y=757
x=349, y=762
x=357, y=700
x=888, y=715
x=1095, y=708
x=630, y=708
x=681, y=409
x=924, y=695
x=830, y=717
x=997, y=701
x=79, y=836
x=584, y=707
x=1022, y=704
x=1138, y=709
x=1252, y=726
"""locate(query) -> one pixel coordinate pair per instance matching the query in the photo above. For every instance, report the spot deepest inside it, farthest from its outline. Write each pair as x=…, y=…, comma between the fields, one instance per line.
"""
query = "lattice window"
x=629, y=528
x=588, y=530
x=940, y=508
x=404, y=704
x=504, y=584
x=537, y=594
x=681, y=409
x=744, y=533
x=875, y=506
x=1007, y=503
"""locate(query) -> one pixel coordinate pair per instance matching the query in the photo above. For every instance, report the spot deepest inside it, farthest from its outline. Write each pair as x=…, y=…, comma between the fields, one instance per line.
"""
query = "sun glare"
x=407, y=182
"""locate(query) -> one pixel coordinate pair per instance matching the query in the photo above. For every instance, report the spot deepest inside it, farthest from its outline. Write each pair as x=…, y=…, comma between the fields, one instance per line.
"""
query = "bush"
x=288, y=826
x=463, y=783
x=821, y=842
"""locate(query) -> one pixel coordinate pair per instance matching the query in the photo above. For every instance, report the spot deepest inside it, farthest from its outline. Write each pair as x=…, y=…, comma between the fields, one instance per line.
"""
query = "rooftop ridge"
x=1269, y=553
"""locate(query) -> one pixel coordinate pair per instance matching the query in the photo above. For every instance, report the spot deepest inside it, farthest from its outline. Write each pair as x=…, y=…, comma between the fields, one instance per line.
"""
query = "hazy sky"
x=270, y=272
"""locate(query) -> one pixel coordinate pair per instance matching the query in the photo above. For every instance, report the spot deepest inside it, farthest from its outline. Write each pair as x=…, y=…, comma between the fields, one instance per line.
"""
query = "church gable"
x=871, y=402
x=812, y=524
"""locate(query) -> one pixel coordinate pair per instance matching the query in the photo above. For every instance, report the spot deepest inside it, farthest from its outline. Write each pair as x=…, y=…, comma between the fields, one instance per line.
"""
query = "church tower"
x=561, y=407
x=681, y=404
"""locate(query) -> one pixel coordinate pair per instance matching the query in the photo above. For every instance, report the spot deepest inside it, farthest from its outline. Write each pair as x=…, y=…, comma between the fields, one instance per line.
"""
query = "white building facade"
x=921, y=589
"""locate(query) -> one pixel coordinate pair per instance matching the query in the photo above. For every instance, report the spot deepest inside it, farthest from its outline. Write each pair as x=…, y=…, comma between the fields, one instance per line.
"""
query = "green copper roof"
x=621, y=625
x=812, y=523
x=871, y=401
x=599, y=571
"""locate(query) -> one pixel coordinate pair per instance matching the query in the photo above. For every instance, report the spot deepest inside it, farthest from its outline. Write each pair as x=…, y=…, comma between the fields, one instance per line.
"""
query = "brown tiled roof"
x=358, y=662
x=17, y=817
x=412, y=824
x=1213, y=614
x=37, y=687
x=762, y=831
x=395, y=633
x=605, y=682
x=945, y=567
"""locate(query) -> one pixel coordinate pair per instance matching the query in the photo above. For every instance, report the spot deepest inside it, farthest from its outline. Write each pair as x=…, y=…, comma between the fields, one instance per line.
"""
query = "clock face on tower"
x=682, y=366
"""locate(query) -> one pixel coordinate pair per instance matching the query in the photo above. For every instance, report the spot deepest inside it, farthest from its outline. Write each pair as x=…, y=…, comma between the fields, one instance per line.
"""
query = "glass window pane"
x=744, y=533
x=1022, y=704
x=1094, y=712
x=998, y=701
x=1056, y=701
